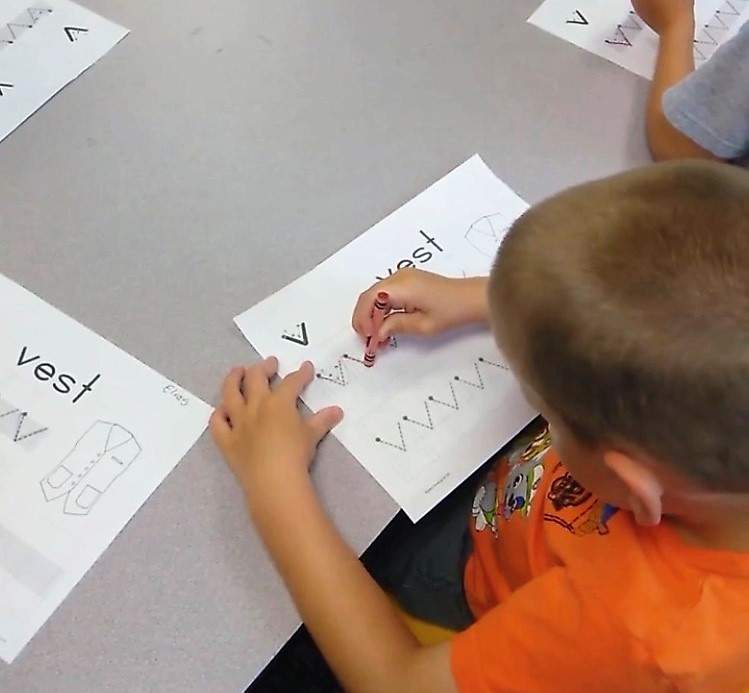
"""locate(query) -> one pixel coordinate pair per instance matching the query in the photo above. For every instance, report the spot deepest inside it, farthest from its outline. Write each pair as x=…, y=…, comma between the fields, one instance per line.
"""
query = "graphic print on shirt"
x=98, y=457
x=576, y=509
x=522, y=482
x=565, y=492
x=484, y=508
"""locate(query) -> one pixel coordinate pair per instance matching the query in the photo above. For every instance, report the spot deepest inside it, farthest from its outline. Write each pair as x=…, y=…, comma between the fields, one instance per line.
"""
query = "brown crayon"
x=380, y=309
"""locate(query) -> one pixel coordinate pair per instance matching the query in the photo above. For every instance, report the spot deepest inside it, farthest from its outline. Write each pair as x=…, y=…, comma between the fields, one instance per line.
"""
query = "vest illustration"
x=99, y=456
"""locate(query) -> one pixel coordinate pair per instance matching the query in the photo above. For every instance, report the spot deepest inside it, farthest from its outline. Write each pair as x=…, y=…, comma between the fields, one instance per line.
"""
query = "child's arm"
x=269, y=448
x=427, y=304
x=673, y=21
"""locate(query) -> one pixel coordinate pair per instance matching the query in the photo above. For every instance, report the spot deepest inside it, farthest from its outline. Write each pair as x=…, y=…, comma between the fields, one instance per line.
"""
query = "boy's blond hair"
x=626, y=303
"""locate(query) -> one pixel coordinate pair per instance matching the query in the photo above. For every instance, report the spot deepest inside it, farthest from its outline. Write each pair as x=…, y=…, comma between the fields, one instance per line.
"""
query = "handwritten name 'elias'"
x=63, y=383
x=420, y=255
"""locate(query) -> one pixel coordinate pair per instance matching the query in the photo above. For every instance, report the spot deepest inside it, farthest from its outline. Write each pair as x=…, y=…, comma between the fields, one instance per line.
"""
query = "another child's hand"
x=664, y=15
x=261, y=433
x=425, y=304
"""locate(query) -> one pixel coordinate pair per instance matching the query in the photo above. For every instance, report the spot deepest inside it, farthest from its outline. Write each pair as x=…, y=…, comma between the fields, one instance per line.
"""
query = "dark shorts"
x=422, y=564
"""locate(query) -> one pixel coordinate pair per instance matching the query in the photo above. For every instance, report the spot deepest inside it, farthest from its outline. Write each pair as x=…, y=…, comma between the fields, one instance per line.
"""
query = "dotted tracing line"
x=705, y=40
x=453, y=404
x=337, y=374
x=24, y=21
x=623, y=34
x=401, y=447
x=17, y=437
x=300, y=336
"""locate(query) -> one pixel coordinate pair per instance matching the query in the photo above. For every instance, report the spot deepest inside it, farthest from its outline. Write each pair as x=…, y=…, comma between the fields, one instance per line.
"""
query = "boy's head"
x=623, y=306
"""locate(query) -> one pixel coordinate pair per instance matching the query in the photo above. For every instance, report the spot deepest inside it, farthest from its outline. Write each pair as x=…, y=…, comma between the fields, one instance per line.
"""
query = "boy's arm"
x=673, y=21
x=269, y=447
x=352, y=621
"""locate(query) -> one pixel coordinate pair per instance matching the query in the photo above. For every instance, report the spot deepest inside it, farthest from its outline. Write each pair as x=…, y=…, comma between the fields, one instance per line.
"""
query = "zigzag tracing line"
x=620, y=36
x=337, y=374
x=623, y=34
x=730, y=10
x=17, y=437
x=431, y=401
x=21, y=23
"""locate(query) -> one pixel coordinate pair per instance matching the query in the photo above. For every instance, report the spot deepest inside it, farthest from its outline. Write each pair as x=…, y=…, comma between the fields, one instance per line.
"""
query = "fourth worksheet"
x=613, y=30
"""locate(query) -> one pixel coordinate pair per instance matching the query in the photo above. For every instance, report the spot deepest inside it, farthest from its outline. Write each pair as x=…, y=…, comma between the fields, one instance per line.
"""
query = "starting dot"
x=455, y=377
x=405, y=418
x=430, y=398
x=377, y=440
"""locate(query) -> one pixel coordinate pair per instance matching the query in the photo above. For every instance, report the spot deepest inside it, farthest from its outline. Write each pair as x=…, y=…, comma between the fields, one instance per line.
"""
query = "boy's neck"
x=723, y=526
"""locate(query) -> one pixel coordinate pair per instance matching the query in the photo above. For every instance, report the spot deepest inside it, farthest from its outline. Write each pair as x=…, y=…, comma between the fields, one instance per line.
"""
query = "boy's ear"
x=644, y=487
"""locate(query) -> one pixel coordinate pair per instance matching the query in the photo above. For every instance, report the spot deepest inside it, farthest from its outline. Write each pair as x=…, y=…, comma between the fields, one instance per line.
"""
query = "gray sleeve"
x=711, y=106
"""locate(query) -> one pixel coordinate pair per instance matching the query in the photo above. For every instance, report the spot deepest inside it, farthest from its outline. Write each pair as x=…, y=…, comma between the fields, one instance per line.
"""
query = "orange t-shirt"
x=571, y=595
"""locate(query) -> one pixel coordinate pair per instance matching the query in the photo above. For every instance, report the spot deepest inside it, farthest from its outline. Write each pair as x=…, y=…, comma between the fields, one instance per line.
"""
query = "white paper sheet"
x=430, y=411
x=87, y=433
x=44, y=46
x=612, y=30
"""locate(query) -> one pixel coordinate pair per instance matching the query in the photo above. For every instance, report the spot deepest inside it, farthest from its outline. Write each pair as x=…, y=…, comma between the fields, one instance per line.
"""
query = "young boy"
x=703, y=113
x=623, y=308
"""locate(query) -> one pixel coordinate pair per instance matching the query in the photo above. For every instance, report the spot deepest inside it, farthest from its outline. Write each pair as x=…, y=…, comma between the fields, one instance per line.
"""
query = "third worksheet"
x=430, y=411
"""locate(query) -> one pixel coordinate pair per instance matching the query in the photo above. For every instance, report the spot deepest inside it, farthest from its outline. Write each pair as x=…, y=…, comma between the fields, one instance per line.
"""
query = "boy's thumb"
x=404, y=323
x=323, y=421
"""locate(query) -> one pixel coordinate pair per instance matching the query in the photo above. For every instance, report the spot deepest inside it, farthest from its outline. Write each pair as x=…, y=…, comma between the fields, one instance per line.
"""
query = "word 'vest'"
x=64, y=383
x=420, y=255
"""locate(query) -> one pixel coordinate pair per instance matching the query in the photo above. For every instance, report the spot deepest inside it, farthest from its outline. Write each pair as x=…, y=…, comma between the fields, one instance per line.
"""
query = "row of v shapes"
x=452, y=398
x=706, y=40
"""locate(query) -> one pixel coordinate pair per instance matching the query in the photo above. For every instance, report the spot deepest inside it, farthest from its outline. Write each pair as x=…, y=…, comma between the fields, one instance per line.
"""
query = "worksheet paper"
x=44, y=46
x=87, y=433
x=430, y=411
x=612, y=30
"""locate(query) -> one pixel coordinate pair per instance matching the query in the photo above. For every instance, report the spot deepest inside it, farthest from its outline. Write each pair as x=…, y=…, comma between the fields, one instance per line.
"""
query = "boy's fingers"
x=295, y=382
x=405, y=323
x=361, y=320
x=219, y=424
x=231, y=390
x=270, y=366
x=323, y=421
x=257, y=377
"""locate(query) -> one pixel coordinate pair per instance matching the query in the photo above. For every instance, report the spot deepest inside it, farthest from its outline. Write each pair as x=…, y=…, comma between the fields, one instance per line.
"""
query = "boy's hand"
x=664, y=15
x=425, y=304
x=269, y=446
x=260, y=431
